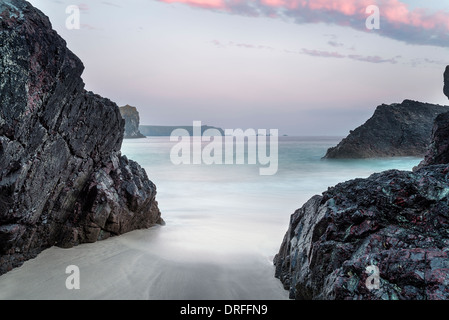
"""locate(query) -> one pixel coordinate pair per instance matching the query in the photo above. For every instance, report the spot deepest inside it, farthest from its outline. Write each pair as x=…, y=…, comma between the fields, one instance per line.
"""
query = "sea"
x=224, y=223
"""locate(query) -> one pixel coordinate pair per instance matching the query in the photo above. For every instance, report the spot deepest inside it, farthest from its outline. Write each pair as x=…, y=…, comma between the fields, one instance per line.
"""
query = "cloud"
x=397, y=20
x=205, y=4
x=111, y=4
x=83, y=7
x=309, y=52
x=334, y=54
x=219, y=44
x=425, y=61
x=335, y=43
x=321, y=53
x=372, y=59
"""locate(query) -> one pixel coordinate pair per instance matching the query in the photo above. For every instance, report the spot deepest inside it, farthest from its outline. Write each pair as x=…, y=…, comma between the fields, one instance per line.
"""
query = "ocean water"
x=224, y=224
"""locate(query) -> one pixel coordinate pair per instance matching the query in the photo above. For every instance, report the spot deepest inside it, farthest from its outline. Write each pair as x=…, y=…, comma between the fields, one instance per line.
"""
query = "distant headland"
x=165, y=131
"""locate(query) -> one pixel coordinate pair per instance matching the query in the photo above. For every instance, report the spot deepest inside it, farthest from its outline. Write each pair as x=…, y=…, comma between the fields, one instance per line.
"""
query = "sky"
x=304, y=67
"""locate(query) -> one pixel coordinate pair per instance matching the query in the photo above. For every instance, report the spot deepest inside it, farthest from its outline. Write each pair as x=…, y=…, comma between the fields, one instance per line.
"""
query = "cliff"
x=394, y=130
x=63, y=180
x=438, y=151
x=446, y=82
x=165, y=131
x=132, y=119
x=384, y=237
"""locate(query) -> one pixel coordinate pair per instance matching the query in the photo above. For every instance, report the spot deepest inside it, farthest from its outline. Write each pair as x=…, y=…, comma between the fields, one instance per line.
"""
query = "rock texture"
x=392, y=226
x=397, y=221
x=446, y=82
x=438, y=151
x=394, y=130
x=132, y=119
x=62, y=179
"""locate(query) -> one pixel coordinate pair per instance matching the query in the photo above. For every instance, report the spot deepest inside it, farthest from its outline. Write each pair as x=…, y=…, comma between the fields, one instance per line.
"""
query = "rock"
x=384, y=237
x=394, y=130
x=446, y=82
x=438, y=151
x=131, y=116
x=63, y=180
x=396, y=221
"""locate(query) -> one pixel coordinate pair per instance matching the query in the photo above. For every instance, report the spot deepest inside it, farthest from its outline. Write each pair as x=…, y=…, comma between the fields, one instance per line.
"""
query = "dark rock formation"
x=438, y=151
x=396, y=221
x=446, y=82
x=62, y=179
x=131, y=116
x=394, y=130
x=395, y=224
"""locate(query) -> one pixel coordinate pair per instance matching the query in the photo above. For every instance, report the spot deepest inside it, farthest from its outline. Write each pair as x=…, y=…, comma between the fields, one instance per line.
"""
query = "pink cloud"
x=398, y=21
x=83, y=7
x=206, y=4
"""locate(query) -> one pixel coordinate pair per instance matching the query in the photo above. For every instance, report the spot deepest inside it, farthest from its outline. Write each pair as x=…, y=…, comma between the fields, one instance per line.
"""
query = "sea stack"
x=381, y=238
x=132, y=119
x=395, y=130
x=63, y=180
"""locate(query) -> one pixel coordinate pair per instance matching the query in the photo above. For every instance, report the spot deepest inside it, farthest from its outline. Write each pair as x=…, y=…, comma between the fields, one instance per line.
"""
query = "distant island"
x=165, y=131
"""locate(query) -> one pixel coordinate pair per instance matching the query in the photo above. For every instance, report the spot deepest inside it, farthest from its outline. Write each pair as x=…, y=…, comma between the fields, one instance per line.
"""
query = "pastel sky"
x=305, y=67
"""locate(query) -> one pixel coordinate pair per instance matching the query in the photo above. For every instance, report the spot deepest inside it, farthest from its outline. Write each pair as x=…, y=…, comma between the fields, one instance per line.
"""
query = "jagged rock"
x=394, y=130
x=438, y=151
x=132, y=119
x=62, y=178
x=446, y=82
x=397, y=221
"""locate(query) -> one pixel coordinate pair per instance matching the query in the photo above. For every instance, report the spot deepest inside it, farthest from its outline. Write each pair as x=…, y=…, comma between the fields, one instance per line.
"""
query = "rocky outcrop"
x=438, y=151
x=132, y=119
x=63, y=180
x=446, y=82
x=384, y=237
x=394, y=130
x=395, y=221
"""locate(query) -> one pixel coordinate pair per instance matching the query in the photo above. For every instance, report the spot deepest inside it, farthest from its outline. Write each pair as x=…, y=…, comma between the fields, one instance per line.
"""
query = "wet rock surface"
x=63, y=180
